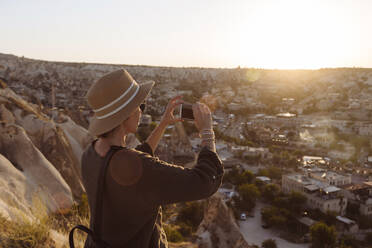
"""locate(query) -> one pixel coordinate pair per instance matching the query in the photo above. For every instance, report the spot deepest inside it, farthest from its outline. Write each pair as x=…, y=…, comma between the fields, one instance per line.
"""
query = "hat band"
x=120, y=107
x=117, y=99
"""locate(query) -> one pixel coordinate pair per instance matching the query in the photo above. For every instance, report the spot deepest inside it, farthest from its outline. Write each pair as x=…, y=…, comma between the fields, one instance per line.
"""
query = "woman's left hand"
x=168, y=117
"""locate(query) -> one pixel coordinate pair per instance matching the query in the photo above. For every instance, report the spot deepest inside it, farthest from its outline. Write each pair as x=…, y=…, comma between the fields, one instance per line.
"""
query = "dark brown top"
x=137, y=184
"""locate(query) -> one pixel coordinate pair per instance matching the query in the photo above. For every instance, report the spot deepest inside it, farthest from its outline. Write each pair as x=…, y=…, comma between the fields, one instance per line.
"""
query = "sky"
x=275, y=34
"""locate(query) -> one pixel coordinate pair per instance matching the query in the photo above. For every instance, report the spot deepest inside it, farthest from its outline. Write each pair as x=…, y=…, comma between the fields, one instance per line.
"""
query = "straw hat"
x=113, y=98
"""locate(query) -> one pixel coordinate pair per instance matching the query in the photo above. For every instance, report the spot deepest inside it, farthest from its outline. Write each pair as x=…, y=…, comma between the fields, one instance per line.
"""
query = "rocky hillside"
x=64, y=85
x=39, y=172
x=40, y=158
x=218, y=228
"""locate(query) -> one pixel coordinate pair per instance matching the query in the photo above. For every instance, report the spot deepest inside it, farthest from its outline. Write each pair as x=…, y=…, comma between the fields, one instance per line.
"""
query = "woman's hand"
x=203, y=116
x=168, y=117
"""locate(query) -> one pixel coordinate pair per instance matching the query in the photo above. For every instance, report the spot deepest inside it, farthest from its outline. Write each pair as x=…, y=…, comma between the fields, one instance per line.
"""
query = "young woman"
x=137, y=183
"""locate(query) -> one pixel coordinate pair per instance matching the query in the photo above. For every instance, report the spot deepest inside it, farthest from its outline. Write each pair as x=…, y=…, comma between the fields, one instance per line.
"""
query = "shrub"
x=173, y=235
x=192, y=214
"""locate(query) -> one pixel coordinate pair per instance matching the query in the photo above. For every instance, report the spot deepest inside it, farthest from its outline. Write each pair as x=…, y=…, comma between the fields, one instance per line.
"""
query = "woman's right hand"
x=202, y=115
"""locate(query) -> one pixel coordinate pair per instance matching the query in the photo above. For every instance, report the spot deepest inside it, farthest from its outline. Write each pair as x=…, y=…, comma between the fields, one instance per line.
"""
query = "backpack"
x=96, y=229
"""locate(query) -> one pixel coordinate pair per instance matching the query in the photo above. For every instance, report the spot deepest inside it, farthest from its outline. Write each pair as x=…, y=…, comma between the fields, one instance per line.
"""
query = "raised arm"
x=167, y=118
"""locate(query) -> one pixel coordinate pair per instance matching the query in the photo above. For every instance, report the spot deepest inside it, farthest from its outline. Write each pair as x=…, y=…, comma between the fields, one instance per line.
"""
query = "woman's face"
x=131, y=124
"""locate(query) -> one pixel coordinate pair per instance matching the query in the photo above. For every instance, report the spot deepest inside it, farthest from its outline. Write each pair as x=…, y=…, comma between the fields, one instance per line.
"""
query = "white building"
x=331, y=178
x=319, y=194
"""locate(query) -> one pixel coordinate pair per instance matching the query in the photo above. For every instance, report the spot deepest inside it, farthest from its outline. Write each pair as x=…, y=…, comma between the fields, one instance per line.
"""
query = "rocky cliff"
x=39, y=158
x=218, y=228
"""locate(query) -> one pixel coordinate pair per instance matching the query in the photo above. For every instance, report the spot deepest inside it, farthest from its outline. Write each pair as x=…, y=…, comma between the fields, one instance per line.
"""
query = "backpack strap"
x=97, y=225
x=96, y=232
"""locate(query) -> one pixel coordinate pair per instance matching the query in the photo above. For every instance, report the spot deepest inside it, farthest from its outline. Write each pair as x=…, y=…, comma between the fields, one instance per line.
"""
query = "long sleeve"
x=164, y=183
x=145, y=147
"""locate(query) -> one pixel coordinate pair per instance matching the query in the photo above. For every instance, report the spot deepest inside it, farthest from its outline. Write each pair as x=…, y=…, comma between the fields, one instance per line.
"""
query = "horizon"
x=285, y=35
x=189, y=67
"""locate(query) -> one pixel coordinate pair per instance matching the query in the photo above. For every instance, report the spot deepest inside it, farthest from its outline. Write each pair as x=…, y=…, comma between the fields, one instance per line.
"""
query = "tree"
x=274, y=217
x=245, y=177
x=237, y=178
x=269, y=243
x=296, y=202
x=322, y=235
x=269, y=192
x=248, y=194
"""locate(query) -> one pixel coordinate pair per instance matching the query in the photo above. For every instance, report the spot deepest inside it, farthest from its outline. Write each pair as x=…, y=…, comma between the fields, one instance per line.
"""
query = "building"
x=361, y=195
x=263, y=179
x=331, y=178
x=313, y=160
x=256, y=151
x=320, y=195
x=346, y=226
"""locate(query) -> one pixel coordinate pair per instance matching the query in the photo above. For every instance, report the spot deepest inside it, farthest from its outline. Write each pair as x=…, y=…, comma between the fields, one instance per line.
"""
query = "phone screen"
x=186, y=112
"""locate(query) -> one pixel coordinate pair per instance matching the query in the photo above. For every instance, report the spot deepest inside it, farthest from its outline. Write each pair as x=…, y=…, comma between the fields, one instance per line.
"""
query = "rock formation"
x=61, y=144
x=218, y=228
x=39, y=159
x=27, y=176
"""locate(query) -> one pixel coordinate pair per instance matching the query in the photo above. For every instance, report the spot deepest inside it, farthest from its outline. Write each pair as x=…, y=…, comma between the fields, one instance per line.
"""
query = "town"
x=296, y=145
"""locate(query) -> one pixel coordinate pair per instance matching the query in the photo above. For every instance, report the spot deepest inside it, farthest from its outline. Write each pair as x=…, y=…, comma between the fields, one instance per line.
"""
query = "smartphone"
x=186, y=112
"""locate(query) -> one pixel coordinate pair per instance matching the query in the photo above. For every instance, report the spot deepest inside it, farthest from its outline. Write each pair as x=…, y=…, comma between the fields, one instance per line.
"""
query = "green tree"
x=245, y=177
x=269, y=192
x=322, y=235
x=269, y=243
x=274, y=217
x=296, y=202
x=248, y=194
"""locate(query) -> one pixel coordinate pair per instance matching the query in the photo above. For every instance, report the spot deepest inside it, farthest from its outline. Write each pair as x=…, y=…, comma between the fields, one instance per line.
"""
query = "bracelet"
x=207, y=136
x=207, y=132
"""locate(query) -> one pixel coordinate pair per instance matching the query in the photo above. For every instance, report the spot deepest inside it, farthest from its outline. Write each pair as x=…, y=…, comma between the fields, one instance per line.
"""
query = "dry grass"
x=37, y=233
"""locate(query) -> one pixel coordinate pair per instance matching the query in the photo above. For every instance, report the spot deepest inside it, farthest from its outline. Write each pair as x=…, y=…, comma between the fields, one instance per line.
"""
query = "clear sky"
x=208, y=33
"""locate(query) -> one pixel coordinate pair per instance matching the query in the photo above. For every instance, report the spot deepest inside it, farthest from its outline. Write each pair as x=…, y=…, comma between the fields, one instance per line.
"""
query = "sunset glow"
x=286, y=34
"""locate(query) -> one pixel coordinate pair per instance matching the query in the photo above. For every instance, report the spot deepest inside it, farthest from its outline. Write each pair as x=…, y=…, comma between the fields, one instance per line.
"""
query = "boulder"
x=29, y=175
x=77, y=136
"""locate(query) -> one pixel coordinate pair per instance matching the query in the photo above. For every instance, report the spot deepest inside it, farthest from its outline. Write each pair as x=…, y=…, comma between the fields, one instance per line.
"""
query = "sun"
x=292, y=35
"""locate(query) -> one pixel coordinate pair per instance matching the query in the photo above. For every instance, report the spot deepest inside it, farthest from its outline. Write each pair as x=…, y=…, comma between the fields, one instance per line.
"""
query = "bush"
x=25, y=234
x=192, y=214
x=173, y=235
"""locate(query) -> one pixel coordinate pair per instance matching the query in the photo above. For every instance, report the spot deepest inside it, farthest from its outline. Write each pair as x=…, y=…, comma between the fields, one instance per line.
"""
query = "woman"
x=137, y=183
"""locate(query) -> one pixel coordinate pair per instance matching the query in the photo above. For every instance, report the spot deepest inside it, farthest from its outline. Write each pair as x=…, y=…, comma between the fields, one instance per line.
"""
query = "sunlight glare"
x=294, y=34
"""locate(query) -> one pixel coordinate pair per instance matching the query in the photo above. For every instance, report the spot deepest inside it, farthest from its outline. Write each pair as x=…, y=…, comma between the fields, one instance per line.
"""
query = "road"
x=253, y=233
